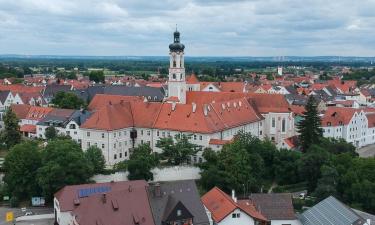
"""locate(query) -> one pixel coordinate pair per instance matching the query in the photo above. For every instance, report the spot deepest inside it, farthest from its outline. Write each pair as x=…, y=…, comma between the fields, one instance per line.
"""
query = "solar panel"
x=85, y=192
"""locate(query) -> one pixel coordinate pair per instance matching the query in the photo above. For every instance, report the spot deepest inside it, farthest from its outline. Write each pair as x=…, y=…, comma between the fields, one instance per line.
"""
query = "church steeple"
x=176, y=81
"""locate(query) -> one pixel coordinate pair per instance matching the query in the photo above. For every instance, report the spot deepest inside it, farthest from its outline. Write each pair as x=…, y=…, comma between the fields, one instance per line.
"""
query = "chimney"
x=157, y=190
x=194, y=107
x=104, y=198
x=234, y=196
x=173, y=106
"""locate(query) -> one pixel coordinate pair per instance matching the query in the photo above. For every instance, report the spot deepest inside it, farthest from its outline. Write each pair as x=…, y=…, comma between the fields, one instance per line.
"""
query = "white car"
x=23, y=209
x=28, y=213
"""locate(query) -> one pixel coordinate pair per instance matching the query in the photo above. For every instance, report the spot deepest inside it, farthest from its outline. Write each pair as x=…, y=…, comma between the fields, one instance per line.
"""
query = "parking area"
x=19, y=212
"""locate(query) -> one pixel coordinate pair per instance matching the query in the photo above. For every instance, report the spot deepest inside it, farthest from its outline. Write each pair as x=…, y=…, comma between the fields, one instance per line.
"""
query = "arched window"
x=174, y=76
x=174, y=63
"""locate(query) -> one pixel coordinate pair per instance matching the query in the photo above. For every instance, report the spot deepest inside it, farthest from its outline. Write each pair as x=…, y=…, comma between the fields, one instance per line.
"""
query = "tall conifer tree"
x=310, y=126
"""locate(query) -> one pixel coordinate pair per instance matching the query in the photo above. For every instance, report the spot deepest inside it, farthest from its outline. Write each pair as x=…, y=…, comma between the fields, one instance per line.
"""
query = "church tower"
x=176, y=80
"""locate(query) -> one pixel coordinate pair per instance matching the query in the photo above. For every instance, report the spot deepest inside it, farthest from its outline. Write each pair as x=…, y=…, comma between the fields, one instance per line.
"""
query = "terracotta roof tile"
x=28, y=128
x=336, y=116
x=192, y=79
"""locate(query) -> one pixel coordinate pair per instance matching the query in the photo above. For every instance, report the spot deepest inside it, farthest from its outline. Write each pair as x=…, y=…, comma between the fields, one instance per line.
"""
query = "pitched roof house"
x=224, y=209
x=277, y=208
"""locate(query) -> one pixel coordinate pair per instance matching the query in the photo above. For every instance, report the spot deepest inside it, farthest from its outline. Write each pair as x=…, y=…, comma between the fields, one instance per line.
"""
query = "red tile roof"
x=192, y=79
x=101, y=100
x=249, y=208
x=21, y=110
x=221, y=205
x=38, y=113
x=218, y=203
x=214, y=141
x=371, y=119
x=19, y=88
x=264, y=103
x=29, y=128
x=297, y=110
x=338, y=116
x=207, y=118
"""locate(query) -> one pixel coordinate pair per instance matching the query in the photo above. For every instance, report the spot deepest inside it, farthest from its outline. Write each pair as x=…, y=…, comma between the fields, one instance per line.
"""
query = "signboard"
x=6, y=198
x=9, y=216
x=38, y=201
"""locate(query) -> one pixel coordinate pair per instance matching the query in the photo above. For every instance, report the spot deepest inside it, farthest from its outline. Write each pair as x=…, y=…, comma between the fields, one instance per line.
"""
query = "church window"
x=174, y=76
x=174, y=63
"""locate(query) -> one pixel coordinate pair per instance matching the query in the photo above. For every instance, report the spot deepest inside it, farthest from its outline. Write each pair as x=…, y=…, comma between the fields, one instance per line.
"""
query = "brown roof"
x=21, y=110
x=68, y=194
x=371, y=119
x=128, y=206
x=274, y=206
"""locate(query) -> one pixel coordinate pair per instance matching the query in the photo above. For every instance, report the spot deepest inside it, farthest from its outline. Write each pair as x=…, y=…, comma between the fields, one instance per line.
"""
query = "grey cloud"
x=208, y=27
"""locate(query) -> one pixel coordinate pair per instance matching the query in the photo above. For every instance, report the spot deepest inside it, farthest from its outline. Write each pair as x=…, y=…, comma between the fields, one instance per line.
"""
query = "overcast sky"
x=208, y=27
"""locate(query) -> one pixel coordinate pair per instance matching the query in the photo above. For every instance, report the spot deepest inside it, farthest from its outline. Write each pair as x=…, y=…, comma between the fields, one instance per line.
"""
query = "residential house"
x=276, y=207
x=66, y=121
x=346, y=123
x=114, y=203
x=225, y=210
x=176, y=202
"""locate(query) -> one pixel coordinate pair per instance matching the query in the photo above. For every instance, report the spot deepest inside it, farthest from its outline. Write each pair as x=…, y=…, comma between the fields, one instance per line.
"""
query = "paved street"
x=368, y=151
x=17, y=212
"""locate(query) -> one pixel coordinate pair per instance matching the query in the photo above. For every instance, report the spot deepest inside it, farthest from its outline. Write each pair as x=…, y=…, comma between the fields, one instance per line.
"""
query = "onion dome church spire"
x=176, y=78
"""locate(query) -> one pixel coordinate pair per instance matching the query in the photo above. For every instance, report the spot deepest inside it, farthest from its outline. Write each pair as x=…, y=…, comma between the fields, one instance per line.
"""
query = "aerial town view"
x=191, y=112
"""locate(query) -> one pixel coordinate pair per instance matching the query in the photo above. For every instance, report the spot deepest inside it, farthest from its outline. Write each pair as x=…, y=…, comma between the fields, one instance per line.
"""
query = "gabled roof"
x=122, y=203
x=21, y=110
x=198, y=118
x=172, y=193
x=101, y=100
x=274, y=206
x=192, y=79
x=336, y=116
x=218, y=203
x=67, y=194
x=221, y=205
x=331, y=211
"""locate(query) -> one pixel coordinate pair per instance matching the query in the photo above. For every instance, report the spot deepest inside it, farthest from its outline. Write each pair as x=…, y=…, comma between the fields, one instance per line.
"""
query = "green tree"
x=286, y=167
x=50, y=132
x=63, y=163
x=327, y=183
x=21, y=165
x=95, y=156
x=178, y=151
x=11, y=134
x=141, y=162
x=97, y=76
x=68, y=100
x=311, y=163
x=310, y=126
